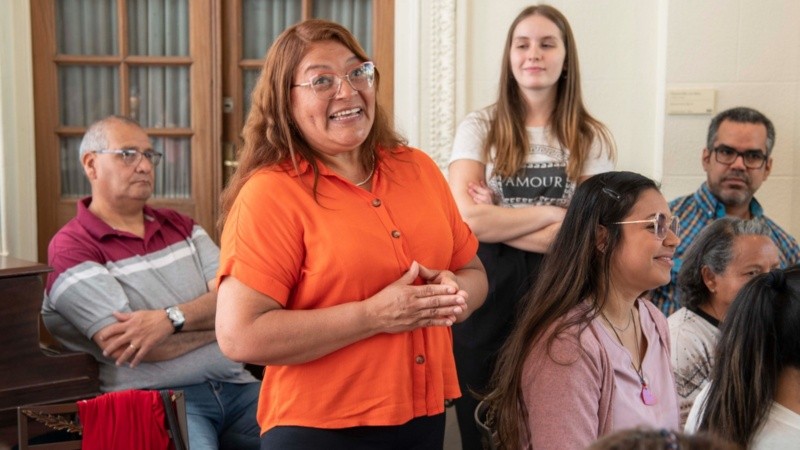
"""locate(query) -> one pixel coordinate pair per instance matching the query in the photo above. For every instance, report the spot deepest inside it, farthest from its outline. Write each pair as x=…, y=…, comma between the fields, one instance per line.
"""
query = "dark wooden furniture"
x=28, y=376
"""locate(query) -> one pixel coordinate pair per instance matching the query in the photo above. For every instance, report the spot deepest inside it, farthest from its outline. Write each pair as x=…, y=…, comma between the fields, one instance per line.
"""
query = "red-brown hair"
x=270, y=136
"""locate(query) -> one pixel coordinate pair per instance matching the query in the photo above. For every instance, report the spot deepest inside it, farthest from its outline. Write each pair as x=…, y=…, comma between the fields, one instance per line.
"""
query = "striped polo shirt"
x=98, y=270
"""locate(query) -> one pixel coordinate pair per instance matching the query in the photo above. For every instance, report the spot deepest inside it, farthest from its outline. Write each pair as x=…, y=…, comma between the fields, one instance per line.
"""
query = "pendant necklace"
x=647, y=397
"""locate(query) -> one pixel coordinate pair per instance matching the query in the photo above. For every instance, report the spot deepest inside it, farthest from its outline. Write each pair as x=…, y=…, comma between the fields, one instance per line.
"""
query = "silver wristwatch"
x=176, y=316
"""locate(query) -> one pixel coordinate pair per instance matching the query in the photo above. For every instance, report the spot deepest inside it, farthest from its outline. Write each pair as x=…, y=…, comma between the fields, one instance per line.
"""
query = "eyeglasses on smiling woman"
x=753, y=159
x=132, y=157
x=327, y=85
x=660, y=225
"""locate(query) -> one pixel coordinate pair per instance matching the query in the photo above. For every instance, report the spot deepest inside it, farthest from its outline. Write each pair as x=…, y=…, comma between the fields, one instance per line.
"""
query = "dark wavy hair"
x=575, y=269
x=759, y=338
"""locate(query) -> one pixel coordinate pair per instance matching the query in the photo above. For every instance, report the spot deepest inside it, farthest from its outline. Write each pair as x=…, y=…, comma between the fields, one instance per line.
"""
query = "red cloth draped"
x=125, y=420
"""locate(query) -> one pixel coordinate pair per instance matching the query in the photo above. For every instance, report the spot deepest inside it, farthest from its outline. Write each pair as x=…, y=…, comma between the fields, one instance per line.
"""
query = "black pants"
x=422, y=433
x=478, y=340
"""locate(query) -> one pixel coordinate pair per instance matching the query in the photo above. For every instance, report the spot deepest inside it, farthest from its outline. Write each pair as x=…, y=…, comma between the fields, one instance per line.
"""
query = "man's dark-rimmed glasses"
x=753, y=159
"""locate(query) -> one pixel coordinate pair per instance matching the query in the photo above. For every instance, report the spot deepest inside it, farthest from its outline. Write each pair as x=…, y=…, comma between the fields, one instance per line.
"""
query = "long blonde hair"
x=574, y=127
x=270, y=135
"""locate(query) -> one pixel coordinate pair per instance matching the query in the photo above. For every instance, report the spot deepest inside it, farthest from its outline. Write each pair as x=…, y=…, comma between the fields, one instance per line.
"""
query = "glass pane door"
x=252, y=25
x=151, y=60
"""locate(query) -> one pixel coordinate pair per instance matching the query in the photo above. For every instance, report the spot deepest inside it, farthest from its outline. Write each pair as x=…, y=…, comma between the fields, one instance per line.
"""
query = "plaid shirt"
x=695, y=212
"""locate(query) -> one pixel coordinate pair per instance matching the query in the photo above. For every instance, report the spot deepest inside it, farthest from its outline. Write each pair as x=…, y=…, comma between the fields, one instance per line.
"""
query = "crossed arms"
x=147, y=335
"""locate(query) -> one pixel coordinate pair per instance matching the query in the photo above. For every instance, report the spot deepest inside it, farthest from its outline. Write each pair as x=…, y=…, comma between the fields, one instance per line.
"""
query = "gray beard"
x=734, y=198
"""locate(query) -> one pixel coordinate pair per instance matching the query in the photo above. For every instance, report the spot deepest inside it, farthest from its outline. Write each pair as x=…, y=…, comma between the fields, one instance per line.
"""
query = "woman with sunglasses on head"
x=513, y=170
x=754, y=395
x=728, y=253
x=590, y=354
x=344, y=261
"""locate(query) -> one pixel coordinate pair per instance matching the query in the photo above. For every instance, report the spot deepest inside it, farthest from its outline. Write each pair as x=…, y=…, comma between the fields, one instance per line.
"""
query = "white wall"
x=618, y=50
x=621, y=45
x=749, y=52
x=17, y=159
x=631, y=53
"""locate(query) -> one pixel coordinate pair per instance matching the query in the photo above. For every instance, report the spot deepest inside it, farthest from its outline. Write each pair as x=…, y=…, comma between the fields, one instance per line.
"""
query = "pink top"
x=628, y=409
x=578, y=391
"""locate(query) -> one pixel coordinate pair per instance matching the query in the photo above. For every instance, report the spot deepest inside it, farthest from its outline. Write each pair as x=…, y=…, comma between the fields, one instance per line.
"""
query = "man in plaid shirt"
x=737, y=159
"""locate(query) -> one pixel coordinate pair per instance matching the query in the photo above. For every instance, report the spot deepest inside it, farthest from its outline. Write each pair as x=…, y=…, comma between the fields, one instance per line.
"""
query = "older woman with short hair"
x=753, y=397
x=724, y=257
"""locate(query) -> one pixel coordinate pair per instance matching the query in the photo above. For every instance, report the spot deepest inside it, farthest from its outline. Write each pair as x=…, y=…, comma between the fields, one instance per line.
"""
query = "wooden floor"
x=452, y=441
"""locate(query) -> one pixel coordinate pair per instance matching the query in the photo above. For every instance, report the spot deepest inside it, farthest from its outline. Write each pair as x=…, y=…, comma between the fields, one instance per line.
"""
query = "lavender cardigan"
x=569, y=393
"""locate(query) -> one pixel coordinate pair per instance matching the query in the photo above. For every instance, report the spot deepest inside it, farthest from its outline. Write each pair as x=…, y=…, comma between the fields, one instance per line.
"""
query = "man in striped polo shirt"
x=133, y=286
x=737, y=159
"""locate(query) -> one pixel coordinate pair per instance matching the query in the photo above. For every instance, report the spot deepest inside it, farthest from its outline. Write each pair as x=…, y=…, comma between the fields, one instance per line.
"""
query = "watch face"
x=175, y=315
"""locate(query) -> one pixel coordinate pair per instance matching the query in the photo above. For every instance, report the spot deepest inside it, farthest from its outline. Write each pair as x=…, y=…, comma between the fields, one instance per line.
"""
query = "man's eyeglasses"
x=660, y=225
x=753, y=159
x=327, y=85
x=132, y=157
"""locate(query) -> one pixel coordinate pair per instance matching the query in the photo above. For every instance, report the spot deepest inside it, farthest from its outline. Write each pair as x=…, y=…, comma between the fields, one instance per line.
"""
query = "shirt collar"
x=706, y=316
x=99, y=229
x=304, y=167
x=713, y=204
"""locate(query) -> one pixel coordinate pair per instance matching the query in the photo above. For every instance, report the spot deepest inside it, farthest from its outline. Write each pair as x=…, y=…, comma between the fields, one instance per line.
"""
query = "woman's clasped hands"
x=403, y=305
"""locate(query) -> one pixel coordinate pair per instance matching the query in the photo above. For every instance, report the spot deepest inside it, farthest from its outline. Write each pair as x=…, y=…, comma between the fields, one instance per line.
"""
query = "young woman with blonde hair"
x=513, y=170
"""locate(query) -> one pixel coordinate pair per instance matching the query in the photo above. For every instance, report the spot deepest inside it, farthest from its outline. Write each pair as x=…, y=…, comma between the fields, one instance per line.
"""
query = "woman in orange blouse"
x=344, y=258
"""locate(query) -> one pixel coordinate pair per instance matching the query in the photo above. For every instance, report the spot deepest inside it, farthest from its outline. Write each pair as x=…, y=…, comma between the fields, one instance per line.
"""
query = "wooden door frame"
x=231, y=59
x=383, y=52
x=45, y=89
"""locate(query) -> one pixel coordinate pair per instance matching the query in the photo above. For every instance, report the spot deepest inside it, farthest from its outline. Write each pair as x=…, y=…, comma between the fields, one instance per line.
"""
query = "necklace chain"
x=371, y=172
x=623, y=329
x=635, y=339
x=647, y=396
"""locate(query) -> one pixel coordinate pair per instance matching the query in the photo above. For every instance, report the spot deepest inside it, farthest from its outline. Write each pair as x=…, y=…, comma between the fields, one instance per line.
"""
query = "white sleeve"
x=599, y=160
x=470, y=135
x=207, y=252
x=693, y=421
